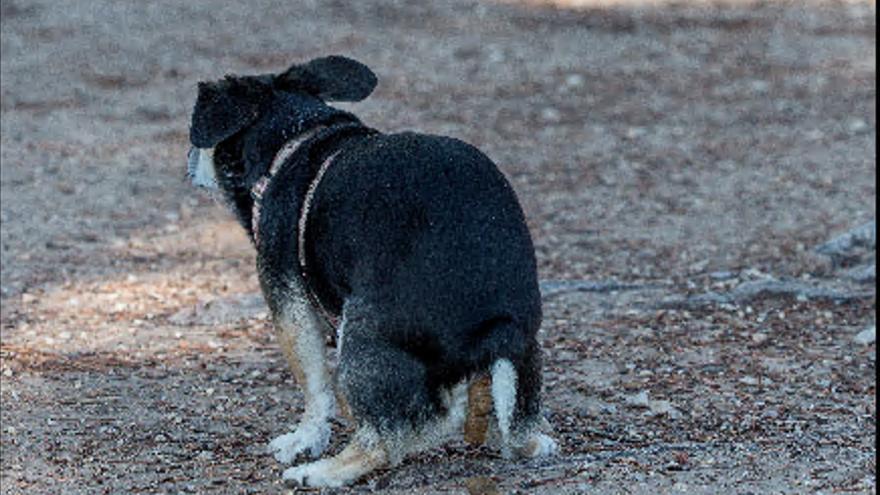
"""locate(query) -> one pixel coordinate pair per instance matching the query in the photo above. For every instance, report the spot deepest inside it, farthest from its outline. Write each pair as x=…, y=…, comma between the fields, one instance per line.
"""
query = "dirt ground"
x=678, y=161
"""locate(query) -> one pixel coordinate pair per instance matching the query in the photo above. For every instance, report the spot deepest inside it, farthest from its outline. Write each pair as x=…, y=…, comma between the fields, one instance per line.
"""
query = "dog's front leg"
x=301, y=338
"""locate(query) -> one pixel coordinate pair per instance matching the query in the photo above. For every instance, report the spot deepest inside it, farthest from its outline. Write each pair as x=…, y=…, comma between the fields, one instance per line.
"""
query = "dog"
x=410, y=250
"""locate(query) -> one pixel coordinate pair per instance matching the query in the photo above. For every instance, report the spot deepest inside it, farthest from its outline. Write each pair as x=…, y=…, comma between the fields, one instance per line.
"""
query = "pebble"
x=481, y=485
x=635, y=132
x=866, y=336
x=663, y=407
x=858, y=126
x=759, y=338
x=550, y=114
x=574, y=80
x=639, y=400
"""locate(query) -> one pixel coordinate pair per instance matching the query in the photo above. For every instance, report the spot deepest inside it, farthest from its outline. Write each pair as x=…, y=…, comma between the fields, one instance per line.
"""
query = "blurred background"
x=682, y=165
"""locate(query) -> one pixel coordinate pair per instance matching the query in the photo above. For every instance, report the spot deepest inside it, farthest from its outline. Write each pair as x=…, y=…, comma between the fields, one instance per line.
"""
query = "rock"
x=749, y=380
x=481, y=485
x=663, y=407
x=635, y=132
x=574, y=80
x=866, y=336
x=551, y=115
x=844, y=247
x=863, y=274
x=858, y=126
x=594, y=408
x=638, y=400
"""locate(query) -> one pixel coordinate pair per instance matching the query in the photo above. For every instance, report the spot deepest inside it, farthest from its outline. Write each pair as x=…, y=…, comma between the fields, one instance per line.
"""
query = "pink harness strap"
x=259, y=189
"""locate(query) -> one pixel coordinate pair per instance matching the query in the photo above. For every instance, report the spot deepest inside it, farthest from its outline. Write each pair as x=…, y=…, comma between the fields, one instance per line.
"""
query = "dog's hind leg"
x=362, y=455
x=516, y=394
x=300, y=335
x=369, y=451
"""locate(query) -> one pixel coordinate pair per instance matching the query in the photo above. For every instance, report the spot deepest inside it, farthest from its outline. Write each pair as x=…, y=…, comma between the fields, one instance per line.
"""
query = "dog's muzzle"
x=200, y=167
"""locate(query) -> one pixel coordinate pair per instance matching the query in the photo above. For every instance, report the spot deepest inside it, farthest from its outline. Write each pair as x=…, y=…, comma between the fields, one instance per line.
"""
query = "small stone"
x=749, y=380
x=635, y=132
x=640, y=399
x=815, y=135
x=759, y=338
x=574, y=80
x=866, y=336
x=481, y=485
x=551, y=114
x=771, y=413
x=863, y=273
x=858, y=126
x=760, y=86
x=663, y=407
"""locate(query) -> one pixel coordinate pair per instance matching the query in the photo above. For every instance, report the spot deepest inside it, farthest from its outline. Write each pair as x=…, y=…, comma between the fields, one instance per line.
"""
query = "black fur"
x=417, y=241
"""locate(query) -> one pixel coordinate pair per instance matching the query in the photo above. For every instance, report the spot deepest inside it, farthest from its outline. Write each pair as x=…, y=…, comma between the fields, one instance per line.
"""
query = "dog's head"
x=234, y=105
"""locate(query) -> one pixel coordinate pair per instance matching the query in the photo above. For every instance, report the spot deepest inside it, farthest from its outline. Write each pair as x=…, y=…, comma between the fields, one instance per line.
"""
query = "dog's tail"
x=516, y=404
x=504, y=398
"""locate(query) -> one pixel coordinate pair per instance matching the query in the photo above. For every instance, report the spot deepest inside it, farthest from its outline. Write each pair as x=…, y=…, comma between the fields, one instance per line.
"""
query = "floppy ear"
x=333, y=78
x=222, y=109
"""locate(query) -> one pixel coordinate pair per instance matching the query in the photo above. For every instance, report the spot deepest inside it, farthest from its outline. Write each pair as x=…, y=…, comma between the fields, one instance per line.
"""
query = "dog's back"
x=428, y=231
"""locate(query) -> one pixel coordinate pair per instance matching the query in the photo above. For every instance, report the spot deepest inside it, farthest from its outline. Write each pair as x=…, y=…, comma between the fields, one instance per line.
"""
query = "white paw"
x=309, y=438
x=540, y=445
x=313, y=474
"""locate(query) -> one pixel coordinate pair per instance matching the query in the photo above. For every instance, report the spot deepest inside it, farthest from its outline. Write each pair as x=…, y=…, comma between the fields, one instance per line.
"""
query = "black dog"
x=415, y=244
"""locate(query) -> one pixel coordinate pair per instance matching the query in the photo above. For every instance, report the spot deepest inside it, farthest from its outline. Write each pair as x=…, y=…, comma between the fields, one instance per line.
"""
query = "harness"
x=283, y=155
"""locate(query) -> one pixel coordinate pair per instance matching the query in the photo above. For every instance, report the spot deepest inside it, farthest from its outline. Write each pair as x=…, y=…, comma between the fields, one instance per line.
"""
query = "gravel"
x=677, y=162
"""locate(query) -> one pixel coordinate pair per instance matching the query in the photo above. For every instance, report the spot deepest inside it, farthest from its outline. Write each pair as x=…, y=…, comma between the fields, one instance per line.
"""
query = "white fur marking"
x=312, y=435
x=319, y=473
x=504, y=398
x=340, y=333
x=205, y=175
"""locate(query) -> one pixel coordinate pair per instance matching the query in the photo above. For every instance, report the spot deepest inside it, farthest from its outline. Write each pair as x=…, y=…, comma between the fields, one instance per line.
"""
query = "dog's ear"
x=223, y=108
x=333, y=78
